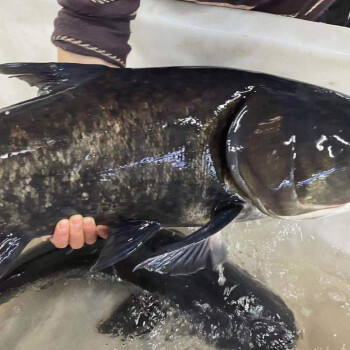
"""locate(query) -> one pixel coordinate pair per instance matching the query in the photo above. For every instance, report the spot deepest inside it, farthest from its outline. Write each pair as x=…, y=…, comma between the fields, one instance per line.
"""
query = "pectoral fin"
x=208, y=253
x=123, y=240
x=197, y=251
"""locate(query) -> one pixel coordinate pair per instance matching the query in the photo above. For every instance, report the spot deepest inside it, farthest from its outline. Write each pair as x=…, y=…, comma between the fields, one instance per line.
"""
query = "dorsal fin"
x=51, y=78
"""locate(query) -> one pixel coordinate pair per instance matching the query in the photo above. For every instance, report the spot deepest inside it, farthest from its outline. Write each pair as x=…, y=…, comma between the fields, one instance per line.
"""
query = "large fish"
x=233, y=311
x=143, y=149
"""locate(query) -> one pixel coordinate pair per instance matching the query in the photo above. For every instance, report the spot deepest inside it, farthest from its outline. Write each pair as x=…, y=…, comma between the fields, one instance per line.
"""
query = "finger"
x=76, y=234
x=60, y=236
x=102, y=231
x=89, y=228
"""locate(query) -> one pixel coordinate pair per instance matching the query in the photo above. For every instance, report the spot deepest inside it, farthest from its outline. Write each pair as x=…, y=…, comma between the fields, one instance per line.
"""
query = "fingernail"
x=76, y=220
x=63, y=225
x=45, y=238
x=88, y=221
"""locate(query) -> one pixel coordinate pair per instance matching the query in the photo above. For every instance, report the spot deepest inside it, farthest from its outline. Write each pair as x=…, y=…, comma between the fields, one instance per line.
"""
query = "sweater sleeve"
x=305, y=9
x=99, y=28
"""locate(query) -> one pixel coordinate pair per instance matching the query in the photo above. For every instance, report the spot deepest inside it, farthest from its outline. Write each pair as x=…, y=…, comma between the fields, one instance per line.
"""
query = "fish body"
x=142, y=149
x=236, y=313
x=138, y=145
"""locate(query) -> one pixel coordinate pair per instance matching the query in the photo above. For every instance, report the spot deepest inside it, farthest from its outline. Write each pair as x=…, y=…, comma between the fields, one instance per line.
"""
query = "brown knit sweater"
x=101, y=28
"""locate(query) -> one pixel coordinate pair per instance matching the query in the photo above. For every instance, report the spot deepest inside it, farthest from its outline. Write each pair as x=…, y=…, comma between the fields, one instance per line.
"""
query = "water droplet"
x=306, y=312
x=17, y=309
x=222, y=279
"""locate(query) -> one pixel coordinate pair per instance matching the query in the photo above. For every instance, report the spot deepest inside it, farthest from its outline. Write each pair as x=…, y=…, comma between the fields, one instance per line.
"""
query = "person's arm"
x=94, y=31
x=64, y=56
x=90, y=32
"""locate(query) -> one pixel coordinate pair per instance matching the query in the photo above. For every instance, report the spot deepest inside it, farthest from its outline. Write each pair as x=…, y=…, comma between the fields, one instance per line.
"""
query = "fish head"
x=288, y=151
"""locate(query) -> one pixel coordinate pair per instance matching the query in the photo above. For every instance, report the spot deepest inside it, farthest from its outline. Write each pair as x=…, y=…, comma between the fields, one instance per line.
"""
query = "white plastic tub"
x=308, y=263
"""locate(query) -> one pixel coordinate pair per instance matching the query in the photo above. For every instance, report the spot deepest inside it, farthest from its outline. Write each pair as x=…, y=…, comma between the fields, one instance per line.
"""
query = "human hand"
x=77, y=231
x=70, y=57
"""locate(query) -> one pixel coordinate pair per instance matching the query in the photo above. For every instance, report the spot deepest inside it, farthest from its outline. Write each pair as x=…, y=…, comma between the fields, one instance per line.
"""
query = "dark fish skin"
x=131, y=144
x=239, y=313
x=165, y=146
